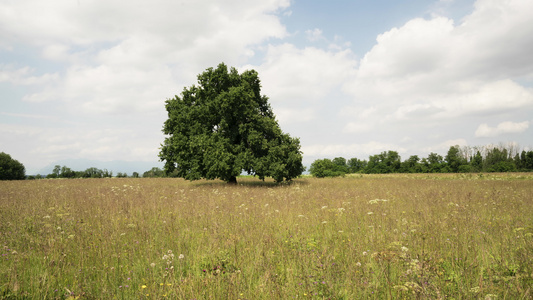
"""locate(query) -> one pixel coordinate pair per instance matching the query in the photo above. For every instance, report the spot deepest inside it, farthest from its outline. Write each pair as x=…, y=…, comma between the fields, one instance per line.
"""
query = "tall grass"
x=377, y=237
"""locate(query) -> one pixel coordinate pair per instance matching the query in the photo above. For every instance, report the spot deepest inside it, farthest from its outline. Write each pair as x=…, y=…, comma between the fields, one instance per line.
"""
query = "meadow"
x=444, y=236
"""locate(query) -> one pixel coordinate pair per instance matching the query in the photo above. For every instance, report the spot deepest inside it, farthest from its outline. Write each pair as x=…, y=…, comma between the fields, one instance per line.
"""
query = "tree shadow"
x=252, y=182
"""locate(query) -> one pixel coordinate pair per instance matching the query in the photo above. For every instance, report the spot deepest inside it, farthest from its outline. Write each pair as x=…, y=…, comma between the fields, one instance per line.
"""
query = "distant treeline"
x=501, y=158
x=66, y=172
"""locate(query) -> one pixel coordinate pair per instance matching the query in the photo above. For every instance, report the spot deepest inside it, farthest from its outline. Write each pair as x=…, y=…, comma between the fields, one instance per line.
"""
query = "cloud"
x=429, y=69
x=24, y=76
x=484, y=130
x=123, y=55
x=314, y=35
x=349, y=150
x=442, y=148
x=44, y=144
x=292, y=74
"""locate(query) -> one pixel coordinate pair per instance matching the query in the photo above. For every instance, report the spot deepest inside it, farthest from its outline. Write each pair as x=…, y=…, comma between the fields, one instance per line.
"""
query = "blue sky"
x=87, y=79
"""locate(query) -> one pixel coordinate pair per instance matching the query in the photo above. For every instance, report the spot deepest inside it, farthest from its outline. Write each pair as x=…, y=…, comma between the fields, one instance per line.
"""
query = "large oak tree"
x=224, y=126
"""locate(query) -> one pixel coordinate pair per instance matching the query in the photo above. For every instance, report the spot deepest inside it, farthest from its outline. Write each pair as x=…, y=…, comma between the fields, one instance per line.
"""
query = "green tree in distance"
x=11, y=169
x=224, y=126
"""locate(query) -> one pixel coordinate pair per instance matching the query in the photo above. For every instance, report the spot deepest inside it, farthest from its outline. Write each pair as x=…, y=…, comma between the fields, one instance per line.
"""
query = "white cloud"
x=349, y=150
x=314, y=35
x=290, y=74
x=354, y=127
x=123, y=55
x=484, y=130
x=442, y=148
x=435, y=69
x=24, y=76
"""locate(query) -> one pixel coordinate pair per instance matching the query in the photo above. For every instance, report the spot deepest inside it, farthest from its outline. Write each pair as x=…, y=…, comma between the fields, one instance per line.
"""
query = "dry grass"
x=371, y=236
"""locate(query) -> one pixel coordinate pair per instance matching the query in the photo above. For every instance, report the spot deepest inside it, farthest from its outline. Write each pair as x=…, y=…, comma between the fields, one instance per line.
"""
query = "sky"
x=88, y=79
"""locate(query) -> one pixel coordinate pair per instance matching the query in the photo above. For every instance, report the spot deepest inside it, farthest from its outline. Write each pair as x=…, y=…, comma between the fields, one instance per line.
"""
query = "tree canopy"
x=224, y=126
x=11, y=169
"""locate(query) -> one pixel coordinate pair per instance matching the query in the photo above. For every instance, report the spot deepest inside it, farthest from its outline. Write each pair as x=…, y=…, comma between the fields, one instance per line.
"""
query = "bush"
x=326, y=168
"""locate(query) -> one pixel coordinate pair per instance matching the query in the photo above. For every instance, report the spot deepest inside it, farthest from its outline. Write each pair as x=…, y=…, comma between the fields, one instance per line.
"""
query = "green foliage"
x=327, y=168
x=224, y=126
x=11, y=169
x=97, y=173
x=457, y=160
x=154, y=172
x=386, y=162
x=454, y=159
x=356, y=165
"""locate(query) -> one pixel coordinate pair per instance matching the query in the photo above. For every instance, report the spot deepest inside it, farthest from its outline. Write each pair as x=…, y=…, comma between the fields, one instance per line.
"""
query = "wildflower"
x=369, y=213
x=404, y=249
x=324, y=207
x=365, y=253
x=358, y=264
x=181, y=256
x=151, y=265
x=143, y=286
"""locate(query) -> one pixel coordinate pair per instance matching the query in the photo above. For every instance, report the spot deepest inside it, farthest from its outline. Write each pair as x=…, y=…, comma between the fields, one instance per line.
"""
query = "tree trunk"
x=232, y=180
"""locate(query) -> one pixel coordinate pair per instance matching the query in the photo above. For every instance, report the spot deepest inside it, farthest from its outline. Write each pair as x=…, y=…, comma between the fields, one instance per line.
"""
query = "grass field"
x=359, y=237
